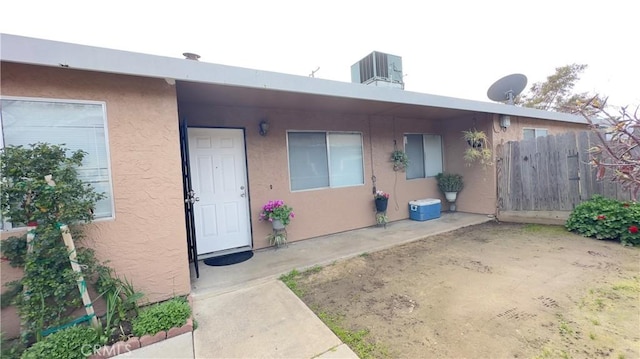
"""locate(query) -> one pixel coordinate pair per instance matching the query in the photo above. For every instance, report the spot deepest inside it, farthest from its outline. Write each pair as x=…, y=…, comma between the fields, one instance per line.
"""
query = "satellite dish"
x=507, y=88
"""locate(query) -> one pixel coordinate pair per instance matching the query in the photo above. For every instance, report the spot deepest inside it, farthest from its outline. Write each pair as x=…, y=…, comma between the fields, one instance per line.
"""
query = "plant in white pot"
x=450, y=184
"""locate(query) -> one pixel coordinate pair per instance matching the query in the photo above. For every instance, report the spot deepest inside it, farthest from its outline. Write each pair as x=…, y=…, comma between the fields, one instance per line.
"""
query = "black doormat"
x=228, y=259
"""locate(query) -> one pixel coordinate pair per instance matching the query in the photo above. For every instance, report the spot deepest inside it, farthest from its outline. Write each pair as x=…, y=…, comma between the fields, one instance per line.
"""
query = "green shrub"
x=161, y=316
x=41, y=185
x=75, y=342
x=605, y=218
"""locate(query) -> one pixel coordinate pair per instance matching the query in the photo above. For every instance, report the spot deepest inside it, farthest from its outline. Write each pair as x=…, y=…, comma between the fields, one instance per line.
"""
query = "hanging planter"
x=381, y=200
x=400, y=160
x=381, y=204
x=479, y=149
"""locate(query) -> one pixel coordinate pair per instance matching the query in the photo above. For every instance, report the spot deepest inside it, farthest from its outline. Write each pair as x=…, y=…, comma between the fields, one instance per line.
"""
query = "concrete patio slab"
x=178, y=347
x=261, y=321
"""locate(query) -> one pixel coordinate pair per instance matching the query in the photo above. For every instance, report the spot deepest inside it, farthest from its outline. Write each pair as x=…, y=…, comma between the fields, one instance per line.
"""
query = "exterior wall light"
x=264, y=127
x=505, y=121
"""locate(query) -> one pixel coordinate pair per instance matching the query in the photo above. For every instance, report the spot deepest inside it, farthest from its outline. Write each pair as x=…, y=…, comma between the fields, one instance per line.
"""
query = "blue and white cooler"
x=424, y=209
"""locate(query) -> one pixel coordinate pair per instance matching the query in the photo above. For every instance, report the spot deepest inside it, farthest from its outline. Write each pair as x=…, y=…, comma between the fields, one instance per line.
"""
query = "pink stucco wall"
x=146, y=240
x=330, y=210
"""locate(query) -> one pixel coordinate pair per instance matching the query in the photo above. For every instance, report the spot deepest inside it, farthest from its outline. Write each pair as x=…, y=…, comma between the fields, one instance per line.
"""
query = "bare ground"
x=489, y=291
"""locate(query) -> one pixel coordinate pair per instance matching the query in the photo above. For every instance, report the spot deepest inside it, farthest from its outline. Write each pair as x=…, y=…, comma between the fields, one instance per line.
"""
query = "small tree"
x=617, y=156
x=40, y=187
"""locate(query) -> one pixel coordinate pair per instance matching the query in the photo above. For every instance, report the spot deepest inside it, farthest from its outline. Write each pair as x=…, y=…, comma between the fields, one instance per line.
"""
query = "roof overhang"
x=235, y=86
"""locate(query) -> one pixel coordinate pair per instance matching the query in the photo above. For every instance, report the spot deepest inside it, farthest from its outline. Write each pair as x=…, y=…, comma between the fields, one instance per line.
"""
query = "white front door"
x=219, y=180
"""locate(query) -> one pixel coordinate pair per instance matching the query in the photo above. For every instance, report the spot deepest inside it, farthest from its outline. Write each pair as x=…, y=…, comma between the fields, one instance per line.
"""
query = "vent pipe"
x=191, y=56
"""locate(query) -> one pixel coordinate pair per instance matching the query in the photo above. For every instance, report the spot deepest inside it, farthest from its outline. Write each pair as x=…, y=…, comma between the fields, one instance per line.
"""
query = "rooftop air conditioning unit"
x=378, y=69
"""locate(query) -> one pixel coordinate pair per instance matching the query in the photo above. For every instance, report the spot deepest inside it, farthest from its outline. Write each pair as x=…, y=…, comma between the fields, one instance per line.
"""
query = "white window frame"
x=425, y=155
x=535, y=131
x=328, y=152
x=103, y=105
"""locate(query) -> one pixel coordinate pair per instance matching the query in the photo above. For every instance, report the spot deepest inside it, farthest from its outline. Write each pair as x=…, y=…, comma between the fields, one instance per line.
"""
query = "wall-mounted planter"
x=479, y=149
x=400, y=160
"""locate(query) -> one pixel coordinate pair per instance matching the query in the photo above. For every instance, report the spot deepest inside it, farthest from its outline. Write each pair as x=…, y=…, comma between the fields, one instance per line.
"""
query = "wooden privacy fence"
x=550, y=173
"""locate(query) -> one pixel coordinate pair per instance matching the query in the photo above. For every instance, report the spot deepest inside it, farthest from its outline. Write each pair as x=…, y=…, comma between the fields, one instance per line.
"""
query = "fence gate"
x=550, y=173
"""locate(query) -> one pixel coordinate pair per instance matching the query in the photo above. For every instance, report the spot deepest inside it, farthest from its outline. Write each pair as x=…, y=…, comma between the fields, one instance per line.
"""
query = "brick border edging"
x=133, y=343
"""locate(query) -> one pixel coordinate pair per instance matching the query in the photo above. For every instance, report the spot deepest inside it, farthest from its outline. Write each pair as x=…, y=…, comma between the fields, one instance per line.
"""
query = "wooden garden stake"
x=82, y=285
x=31, y=235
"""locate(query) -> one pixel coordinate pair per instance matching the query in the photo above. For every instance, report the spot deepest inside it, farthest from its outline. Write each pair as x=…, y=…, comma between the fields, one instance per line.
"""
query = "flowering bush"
x=381, y=195
x=277, y=210
x=605, y=218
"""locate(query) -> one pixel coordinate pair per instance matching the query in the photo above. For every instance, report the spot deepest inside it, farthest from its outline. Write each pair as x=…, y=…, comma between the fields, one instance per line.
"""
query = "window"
x=325, y=159
x=425, y=155
x=531, y=133
x=79, y=125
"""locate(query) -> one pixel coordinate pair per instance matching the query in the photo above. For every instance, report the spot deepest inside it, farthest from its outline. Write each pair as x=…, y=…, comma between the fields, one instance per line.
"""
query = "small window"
x=425, y=155
x=531, y=133
x=79, y=125
x=325, y=159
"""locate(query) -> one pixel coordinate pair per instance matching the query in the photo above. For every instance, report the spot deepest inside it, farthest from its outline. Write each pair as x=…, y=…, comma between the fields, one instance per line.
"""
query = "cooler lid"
x=424, y=202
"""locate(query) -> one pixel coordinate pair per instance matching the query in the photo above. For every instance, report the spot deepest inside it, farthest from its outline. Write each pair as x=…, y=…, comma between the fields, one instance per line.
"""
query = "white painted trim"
x=103, y=104
x=26, y=50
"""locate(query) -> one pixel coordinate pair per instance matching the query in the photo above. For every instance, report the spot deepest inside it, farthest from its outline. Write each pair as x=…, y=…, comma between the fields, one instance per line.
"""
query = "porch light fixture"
x=264, y=127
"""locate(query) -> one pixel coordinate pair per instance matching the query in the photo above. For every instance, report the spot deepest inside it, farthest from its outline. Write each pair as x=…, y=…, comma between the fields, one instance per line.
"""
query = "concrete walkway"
x=243, y=311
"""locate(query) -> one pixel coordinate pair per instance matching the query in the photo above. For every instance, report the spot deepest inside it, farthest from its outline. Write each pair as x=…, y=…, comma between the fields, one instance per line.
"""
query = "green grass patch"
x=290, y=281
x=599, y=299
x=565, y=328
x=312, y=270
x=356, y=340
x=551, y=354
x=544, y=228
x=629, y=286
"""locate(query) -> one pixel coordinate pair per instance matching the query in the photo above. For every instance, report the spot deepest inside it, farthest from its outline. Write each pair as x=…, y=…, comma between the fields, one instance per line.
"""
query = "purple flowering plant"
x=277, y=210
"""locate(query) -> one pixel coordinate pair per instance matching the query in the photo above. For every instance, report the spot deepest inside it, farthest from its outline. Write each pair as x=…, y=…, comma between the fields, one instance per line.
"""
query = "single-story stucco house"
x=327, y=146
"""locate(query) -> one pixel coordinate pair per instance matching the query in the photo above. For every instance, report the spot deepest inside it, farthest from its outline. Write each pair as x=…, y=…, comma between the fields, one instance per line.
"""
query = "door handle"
x=191, y=198
x=244, y=193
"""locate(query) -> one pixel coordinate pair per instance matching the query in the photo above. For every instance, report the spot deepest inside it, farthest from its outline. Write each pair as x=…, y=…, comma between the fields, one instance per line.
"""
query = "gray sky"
x=450, y=48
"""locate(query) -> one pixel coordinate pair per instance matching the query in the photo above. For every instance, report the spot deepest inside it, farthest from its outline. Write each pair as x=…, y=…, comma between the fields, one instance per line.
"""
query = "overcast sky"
x=450, y=48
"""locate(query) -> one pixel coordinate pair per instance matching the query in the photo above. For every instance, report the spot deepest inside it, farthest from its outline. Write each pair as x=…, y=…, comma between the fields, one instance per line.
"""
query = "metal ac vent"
x=378, y=69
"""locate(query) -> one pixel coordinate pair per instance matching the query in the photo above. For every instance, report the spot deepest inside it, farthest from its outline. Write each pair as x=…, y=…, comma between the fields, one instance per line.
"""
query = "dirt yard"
x=489, y=291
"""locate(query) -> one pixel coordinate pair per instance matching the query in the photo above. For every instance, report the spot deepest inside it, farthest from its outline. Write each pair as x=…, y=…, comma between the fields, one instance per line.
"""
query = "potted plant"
x=381, y=200
x=400, y=160
x=278, y=213
x=450, y=184
x=479, y=149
